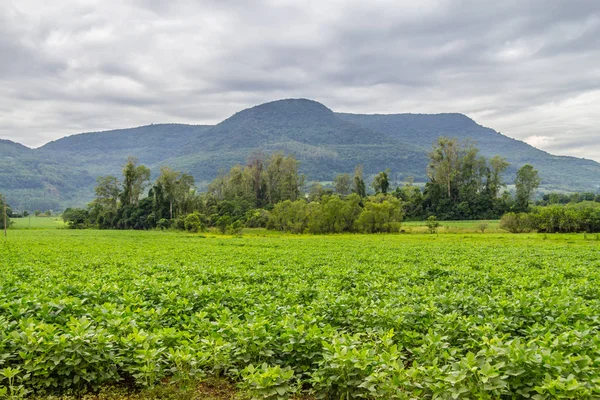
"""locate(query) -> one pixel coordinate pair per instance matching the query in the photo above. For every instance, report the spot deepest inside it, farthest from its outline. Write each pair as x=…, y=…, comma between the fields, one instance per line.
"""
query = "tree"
x=316, y=191
x=412, y=198
x=444, y=165
x=497, y=167
x=76, y=218
x=381, y=182
x=256, y=177
x=516, y=222
x=343, y=184
x=223, y=222
x=107, y=192
x=462, y=184
x=291, y=180
x=359, y=183
x=135, y=179
x=526, y=183
x=380, y=214
x=173, y=188
x=4, y=213
x=193, y=222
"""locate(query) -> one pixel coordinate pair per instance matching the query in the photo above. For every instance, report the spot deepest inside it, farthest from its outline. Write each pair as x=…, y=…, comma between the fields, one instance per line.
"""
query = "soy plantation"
x=487, y=316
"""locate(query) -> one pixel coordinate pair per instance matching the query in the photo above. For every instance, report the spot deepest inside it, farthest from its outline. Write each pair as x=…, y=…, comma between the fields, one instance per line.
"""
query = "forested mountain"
x=324, y=144
x=106, y=152
x=32, y=180
x=62, y=173
x=558, y=172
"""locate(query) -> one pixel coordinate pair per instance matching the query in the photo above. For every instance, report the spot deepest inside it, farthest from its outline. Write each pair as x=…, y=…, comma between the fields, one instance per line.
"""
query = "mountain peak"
x=286, y=112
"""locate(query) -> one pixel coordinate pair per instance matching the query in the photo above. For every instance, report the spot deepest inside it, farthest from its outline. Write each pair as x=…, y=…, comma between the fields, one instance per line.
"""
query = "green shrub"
x=432, y=224
x=193, y=222
x=517, y=222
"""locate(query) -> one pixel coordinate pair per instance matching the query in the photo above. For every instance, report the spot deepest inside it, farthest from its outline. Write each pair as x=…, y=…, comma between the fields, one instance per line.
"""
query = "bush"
x=76, y=218
x=179, y=224
x=380, y=214
x=223, y=222
x=163, y=224
x=580, y=217
x=482, y=226
x=193, y=223
x=235, y=228
x=432, y=224
x=257, y=218
x=517, y=222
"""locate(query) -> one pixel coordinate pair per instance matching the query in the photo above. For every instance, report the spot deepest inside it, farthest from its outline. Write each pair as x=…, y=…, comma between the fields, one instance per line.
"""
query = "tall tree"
x=292, y=181
x=175, y=188
x=273, y=175
x=381, y=182
x=497, y=167
x=255, y=167
x=107, y=192
x=343, y=184
x=526, y=183
x=444, y=164
x=282, y=178
x=359, y=182
x=135, y=180
x=4, y=212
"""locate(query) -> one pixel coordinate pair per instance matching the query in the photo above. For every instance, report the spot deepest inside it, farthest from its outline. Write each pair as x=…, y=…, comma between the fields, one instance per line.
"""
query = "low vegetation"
x=415, y=316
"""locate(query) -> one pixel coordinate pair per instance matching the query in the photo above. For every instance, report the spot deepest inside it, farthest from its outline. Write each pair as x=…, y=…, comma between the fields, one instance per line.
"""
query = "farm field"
x=491, y=226
x=33, y=222
x=485, y=316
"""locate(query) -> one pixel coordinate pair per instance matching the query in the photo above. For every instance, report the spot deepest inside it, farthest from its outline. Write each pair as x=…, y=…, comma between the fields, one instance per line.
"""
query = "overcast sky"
x=527, y=68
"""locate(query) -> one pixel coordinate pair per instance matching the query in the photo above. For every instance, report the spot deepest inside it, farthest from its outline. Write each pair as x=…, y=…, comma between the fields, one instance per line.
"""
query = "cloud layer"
x=529, y=69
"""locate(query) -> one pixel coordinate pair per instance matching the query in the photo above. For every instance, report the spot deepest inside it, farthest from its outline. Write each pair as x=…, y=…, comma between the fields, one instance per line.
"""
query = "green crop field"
x=38, y=223
x=477, y=316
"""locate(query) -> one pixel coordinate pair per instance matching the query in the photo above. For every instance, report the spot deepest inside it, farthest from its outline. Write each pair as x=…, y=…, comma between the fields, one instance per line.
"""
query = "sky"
x=528, y=69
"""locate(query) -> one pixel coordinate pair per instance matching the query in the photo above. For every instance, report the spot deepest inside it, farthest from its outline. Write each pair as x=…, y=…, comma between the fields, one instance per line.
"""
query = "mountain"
x=33, y=181
x=324, y=143
x=104, y=153
x=557, y=172
x=62, y=173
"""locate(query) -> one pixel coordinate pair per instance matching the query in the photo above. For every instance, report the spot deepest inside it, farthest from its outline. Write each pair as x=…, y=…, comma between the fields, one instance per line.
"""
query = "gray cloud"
x=529, y=69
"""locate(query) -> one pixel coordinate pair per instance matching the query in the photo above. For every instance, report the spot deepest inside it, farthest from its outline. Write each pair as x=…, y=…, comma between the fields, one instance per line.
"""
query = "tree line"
x=268, y=191
x=556, y=218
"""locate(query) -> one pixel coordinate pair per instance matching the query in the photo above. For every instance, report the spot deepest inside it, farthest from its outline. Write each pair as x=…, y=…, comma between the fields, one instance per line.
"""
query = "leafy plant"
x=269, y=383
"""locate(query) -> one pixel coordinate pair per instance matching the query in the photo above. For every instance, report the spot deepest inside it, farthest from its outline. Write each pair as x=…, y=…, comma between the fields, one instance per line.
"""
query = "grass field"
x=407, y=226
x=38, y=223
x=346, y=316
x=491, y=226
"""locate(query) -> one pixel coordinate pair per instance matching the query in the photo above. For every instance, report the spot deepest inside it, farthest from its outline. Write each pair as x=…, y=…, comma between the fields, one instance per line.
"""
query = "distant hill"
x=105, y=152
x=35, y=181
x=62, y=173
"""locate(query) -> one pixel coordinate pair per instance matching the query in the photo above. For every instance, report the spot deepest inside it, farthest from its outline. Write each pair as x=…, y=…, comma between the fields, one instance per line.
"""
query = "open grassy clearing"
x=363, y=316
